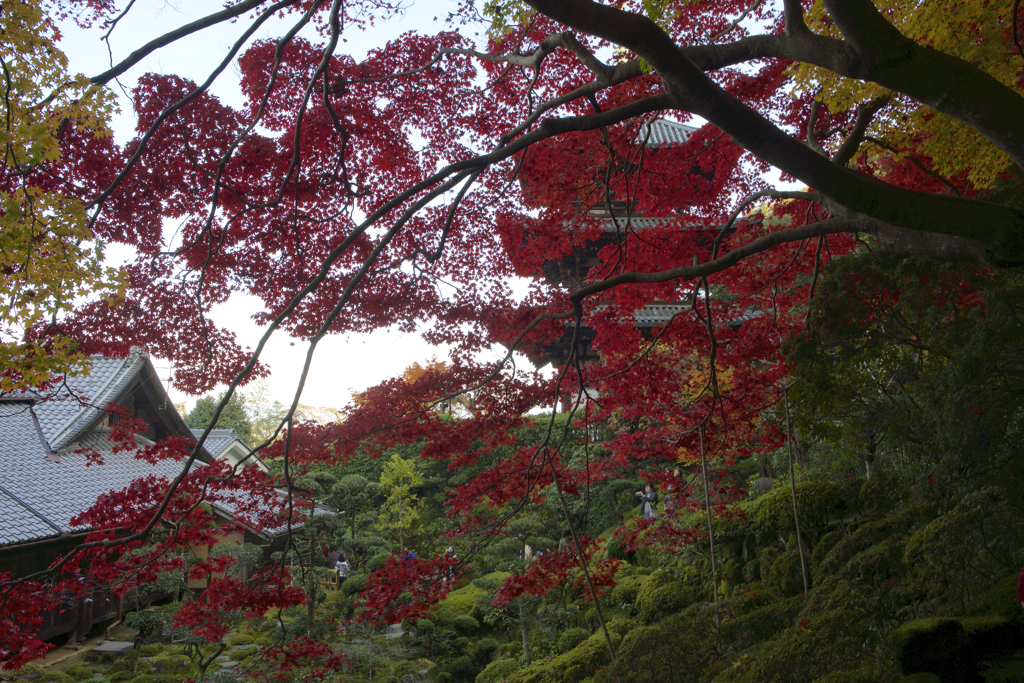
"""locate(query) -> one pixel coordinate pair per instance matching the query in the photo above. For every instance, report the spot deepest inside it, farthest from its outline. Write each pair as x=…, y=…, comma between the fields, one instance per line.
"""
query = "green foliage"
x=898, y=372
x=425, y=626
x=766, y=621
x=753, y=598
x=966, y=549
x=661, y=593
x=461, y=668
x=571, y=637
x=572, y=666
x=496, y=672
x=818, y=501
x=678, y=649
x=401, y=508
x=465, y=623
x=146, y=621
x=866, y=537
x=485, y=649
x=625, y=590
x=234, y=416
x=784, y=575
x=1001, y=600
x=827, y=643
x=240, y=639
x=463, y=600
x=354, y=584
x=80, y=672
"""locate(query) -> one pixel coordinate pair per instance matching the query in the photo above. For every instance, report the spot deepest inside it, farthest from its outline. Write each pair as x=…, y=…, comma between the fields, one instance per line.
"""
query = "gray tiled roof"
x=39, y=495
x=661, y=133
x=58, y=491
x=658, y=314
x=68, y=412
x=218, y=441
x=622, y=224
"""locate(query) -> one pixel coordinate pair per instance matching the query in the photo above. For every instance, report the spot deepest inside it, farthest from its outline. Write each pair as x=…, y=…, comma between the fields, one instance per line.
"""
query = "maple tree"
x=344, y=196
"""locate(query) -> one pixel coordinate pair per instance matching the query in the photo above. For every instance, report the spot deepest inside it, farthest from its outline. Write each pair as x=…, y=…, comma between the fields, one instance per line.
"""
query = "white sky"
x=356, y=361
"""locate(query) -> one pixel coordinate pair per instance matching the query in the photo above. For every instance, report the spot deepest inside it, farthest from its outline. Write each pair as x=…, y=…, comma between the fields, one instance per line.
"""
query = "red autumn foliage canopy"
x=345, y=194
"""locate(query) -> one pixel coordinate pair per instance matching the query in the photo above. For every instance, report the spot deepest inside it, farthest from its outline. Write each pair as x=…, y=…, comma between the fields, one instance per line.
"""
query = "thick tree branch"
x=166, y=39
x=892, y=239
x=1000, y=228
x=860, y=126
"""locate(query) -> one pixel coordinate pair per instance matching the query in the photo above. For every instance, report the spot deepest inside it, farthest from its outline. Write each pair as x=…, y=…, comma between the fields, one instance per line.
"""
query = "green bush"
x=951, y=545
x=53, y=676
x=147, y=622
x=156, y=678
x=498, y=671
x=765, y=622
x=464, y=622
x=354, y=584
x=1001, y=599
x=661, y=594
x=463, y=600
x=866, y=536
x=240, y=639
x=824, y=546
x=572, y=666
x=749, y=599
x=784, y=575
x=97, y=679
x=678, y=649
x=752, y=571
x=625, y=591
x=819, y=501
x=460, y=668
x=80, y=672
x=804, y=653
x=377, y=561
x=485, y=649
x=425, y=626
x=445, y=616
x=571, y=637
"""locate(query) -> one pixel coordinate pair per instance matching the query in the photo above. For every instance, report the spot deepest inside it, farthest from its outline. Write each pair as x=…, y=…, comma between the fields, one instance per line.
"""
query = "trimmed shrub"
x=571, y=637
x=765, y=622
x=55, y=677
x=573, y=666
x=625, y=591
x=240, y=639
x=460, y=668
x=485, y=649
x=747, y=600
x=784, y=576
x=464, y=622
x=496, y=672
x=463, y=600
x=425, y=626
x=377, y=561
x=445, y=616
x=828, y=643
x=354, y=584
x=80, y=672
x=661, y=594
x=678, y=649
x=819, y=502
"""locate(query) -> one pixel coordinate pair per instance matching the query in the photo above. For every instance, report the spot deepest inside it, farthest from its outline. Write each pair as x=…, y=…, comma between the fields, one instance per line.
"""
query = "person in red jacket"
x=1020, y=587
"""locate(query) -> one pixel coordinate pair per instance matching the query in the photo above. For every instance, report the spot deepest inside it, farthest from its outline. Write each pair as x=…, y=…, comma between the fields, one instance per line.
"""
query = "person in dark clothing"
x=648, y=501
x=332, y=558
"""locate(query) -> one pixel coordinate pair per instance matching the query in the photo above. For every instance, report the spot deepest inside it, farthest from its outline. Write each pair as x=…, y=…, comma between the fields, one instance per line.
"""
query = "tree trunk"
x=792, y=488
x=711, y=536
